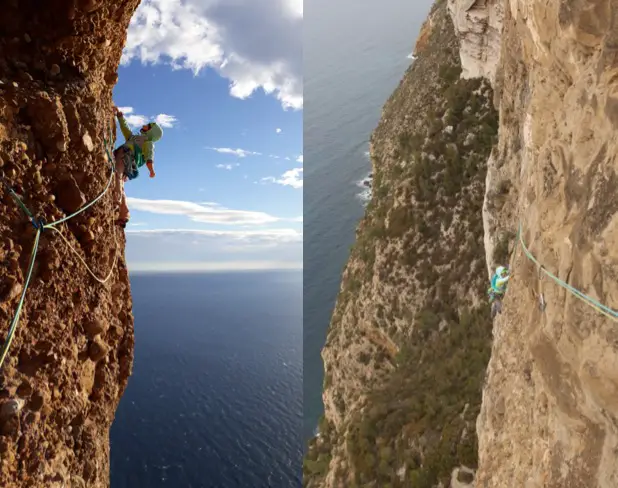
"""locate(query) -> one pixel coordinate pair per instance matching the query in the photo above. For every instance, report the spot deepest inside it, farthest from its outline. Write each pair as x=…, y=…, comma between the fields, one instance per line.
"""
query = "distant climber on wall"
x=137, y=150
x=497, y=289
x=500, y=280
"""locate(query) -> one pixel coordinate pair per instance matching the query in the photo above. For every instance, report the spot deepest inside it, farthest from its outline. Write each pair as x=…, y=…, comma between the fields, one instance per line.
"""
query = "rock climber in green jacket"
x=137, y=150
x=497, y=289
x=500, y=280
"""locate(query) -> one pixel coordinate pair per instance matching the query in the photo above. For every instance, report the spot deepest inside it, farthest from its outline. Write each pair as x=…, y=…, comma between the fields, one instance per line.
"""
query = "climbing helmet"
x=152, y=130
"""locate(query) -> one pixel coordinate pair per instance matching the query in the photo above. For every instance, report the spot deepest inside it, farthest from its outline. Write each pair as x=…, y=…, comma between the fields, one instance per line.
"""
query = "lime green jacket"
x=140, y=144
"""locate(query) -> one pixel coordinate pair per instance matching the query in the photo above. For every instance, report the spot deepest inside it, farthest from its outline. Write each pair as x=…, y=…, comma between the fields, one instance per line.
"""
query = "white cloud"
x=212, y=266
x=165, y=120
x=295, y=6
x=210, y=250
x=137, y=120
x=255, y=45
x=248, y=236
x=229, y=167
x=278, y=130
x=292, y=177
x=208, y=214
x=241, y=153
x=299, y=159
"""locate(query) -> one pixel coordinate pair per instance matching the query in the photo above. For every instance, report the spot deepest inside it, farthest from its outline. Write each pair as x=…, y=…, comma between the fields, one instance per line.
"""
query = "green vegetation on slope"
x=422, y=419
x=418, y=423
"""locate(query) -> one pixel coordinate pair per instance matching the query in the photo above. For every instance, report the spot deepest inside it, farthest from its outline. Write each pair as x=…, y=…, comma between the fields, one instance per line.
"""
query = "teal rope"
x=15, y=321
x=15, y=197
x=85, y=207
x=40, y=226
x=591, y=301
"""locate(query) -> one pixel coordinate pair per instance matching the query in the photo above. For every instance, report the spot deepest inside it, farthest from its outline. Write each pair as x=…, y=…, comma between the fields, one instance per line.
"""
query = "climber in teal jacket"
x=137, y=150
x=500, y=280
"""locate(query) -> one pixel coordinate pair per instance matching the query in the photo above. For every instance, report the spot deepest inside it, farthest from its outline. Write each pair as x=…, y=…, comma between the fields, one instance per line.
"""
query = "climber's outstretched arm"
x=502, y=281
x=126, y=132
x=148, y=152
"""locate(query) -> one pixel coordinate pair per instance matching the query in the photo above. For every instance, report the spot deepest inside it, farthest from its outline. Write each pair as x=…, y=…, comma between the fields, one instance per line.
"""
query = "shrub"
x=435, y=374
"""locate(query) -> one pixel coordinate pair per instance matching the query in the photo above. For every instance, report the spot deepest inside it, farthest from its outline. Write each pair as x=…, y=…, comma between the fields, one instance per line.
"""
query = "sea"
x=215, y=399
x=355, y=54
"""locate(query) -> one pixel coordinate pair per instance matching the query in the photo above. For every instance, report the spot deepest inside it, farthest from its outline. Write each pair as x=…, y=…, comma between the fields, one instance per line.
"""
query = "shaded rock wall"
x=409, y=338
x=73, y=349
x=479, y=25
x=549, y=414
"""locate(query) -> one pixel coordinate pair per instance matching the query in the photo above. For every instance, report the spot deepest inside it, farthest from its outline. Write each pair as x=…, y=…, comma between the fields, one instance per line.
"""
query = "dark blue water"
x=355, y=53
x=215, y=399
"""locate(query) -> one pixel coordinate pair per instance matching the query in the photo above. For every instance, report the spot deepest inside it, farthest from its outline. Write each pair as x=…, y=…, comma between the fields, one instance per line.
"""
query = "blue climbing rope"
x=608, y=312
x=40, y=225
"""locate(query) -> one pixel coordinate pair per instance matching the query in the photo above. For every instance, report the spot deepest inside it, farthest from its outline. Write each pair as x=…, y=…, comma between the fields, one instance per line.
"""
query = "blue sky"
x=224, y=79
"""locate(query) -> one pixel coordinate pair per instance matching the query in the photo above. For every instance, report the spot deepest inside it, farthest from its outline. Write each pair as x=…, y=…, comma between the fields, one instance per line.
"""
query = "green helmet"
x=154, y=131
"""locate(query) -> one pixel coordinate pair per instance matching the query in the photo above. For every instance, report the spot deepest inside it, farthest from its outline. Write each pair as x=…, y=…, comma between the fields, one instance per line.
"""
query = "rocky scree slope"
x=549, y=416
x=73, y=350
x=409, y=339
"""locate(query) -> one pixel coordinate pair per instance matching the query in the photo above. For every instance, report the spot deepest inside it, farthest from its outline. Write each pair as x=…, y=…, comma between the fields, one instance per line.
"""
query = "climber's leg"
x=119, y=162
x=124, y=215
x=496, y=308
x=121, y=156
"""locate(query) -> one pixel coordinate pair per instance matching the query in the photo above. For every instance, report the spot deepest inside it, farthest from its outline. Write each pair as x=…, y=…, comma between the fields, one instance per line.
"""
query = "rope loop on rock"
x=40, y=225
x=9, y=338
x=88, y=205
x=591, y=302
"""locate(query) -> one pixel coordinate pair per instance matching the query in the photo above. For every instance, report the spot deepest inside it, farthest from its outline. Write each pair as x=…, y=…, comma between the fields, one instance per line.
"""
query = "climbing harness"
x=591, y=302
x=40, y=225
x=131, y=159
x=493, y=295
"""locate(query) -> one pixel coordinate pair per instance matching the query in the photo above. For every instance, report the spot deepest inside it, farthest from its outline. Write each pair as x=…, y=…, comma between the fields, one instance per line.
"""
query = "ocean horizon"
x=215, y=398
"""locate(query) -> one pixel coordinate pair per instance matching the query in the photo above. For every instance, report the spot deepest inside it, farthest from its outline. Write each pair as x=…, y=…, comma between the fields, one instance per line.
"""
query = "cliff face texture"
x=409, y=339
x=549, y=415
x=72, y=354
x=407, y=378
x=479, y=26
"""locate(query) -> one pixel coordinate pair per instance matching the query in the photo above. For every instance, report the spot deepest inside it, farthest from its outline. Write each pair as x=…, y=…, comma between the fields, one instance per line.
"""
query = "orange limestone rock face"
x=71, y=351
x=548, y=417
x=423, y=36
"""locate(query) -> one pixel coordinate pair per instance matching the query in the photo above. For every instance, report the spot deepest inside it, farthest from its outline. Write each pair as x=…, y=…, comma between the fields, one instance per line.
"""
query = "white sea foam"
x=365, y=195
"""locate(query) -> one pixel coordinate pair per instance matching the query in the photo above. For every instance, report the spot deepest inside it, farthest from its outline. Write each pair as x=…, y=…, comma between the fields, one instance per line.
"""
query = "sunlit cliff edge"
x=72, y=353
x=506, y=117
